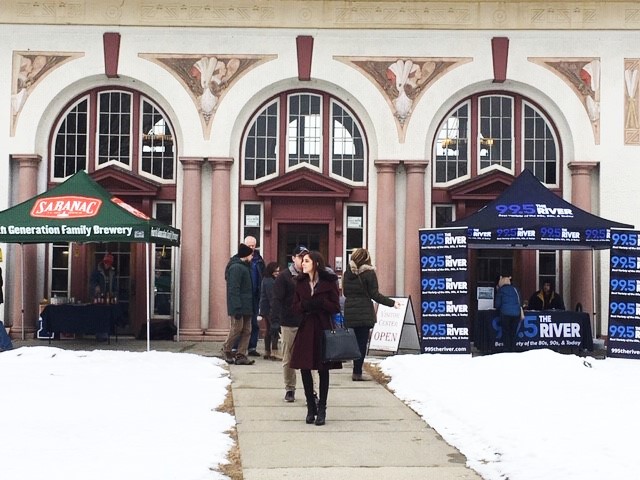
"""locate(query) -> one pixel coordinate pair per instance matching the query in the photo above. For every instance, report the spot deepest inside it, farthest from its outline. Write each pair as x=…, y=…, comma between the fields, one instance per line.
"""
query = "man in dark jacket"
x=546, y=299
x=283, y=290
x=239, y=305
x=257, y=269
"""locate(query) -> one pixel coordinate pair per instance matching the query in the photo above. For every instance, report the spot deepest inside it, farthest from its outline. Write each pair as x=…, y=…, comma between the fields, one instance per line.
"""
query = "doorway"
x=123, y=259
x=314, y=236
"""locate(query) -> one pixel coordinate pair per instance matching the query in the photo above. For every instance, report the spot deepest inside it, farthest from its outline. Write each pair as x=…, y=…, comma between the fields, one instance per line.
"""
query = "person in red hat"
x=103, y=285
x=103, y=279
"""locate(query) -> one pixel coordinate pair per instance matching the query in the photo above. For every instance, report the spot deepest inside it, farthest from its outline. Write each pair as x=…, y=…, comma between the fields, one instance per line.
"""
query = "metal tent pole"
x=22, y=296
x=593, y=293
x=176, y=297
x=148, y=296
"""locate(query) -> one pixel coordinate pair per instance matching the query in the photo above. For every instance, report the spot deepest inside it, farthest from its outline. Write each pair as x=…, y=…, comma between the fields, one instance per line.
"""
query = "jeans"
x=509, y=326
x=362, y=336
x=5, y=341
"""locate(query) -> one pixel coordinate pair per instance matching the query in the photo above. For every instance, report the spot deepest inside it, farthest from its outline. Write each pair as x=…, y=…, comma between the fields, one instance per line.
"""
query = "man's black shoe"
x=290, y=396
x=253, y=353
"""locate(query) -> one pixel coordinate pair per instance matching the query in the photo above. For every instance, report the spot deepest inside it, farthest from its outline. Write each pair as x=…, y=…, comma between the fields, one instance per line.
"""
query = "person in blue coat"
x=507, y=302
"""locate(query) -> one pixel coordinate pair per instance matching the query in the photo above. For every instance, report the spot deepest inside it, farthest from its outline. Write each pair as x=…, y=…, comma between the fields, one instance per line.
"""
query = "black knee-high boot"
x=322, y=402
x=307, y=381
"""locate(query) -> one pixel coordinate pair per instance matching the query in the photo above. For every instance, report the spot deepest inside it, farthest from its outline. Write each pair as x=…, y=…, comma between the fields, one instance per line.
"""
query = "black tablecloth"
x=484, y=330
x=93, y=318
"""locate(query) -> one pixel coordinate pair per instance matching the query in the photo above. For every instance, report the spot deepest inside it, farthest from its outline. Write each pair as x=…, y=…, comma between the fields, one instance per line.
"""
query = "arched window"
x=304, y=130
x=495, y=131
x=105, y=127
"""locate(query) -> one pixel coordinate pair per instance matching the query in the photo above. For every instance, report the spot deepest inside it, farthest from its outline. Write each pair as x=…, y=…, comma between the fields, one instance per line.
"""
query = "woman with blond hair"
x=360, y=286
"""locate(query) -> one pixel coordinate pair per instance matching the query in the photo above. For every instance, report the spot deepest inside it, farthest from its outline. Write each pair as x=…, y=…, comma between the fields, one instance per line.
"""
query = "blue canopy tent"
x=527, y=215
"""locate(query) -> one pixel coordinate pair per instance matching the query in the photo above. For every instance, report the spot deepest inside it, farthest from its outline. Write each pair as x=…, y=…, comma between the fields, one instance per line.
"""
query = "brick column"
x=220, y=246
x=581, y=260
x=27, y=188
x=414, y=220
x=190, y=250
x=385, y=259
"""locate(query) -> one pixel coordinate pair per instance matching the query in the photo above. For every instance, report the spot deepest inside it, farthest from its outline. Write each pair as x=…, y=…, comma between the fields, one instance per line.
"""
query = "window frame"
x=554, y=134
x=141, y=172
x=323, y=135
x=172, y=268
x=512, y=149
x=92, y=133
x=519, y=102
x=54, y=137
x=346, y=252
x=243, y=225
x=365, y=152
x=458, y=106
x=132, y=132
x=243, y=150
x=434, y=215
x=327, y=101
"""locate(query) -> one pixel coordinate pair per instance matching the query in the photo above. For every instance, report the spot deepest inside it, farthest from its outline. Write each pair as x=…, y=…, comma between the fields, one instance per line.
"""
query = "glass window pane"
x=348, y=155
x=451, y=146
x=305, y=130
x=157, y=143
x=260, y=147
x=540, y=152
x=114, y=129
x=495, y=131
x=70, y=147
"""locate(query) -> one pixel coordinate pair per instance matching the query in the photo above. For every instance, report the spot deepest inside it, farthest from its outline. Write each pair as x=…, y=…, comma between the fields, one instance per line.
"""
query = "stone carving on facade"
x=583, y=76
x=207, y=78
x=631, y=103
x=363, y=14
x=29, y=68
x=402, y=81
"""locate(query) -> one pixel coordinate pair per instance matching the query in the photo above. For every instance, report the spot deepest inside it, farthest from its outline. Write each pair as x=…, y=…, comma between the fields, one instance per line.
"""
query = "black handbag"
x=339, y=345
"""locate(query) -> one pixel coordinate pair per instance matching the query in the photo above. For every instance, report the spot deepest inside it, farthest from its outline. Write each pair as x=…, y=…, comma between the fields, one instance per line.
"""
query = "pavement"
x=369, y=434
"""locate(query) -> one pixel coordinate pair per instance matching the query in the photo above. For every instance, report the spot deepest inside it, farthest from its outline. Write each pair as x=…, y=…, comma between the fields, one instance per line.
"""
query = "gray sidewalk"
x=369, y=433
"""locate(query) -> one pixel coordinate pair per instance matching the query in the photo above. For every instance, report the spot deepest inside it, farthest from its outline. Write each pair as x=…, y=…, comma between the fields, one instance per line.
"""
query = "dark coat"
x=316, y=311
x=508, y=301
x=359, y=289
x=266, y=296
x=283, y=290
x=105, y=278
x=239, y=288
x=539, y=302
x=257, y=268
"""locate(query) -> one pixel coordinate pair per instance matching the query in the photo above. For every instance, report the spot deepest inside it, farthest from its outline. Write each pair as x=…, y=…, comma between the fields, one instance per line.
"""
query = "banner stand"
x=395, y=329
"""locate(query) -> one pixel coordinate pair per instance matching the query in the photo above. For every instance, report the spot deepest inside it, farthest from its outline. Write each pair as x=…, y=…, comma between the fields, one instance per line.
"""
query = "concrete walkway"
x=369, y=433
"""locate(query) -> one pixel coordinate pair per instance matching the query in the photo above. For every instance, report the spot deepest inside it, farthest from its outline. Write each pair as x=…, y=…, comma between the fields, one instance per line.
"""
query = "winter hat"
x=244, y=250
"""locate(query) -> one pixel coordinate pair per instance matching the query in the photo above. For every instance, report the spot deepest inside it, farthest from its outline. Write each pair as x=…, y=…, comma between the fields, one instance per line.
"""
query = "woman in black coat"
x=360, y=286
x=315, y=300
x=272, y=329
